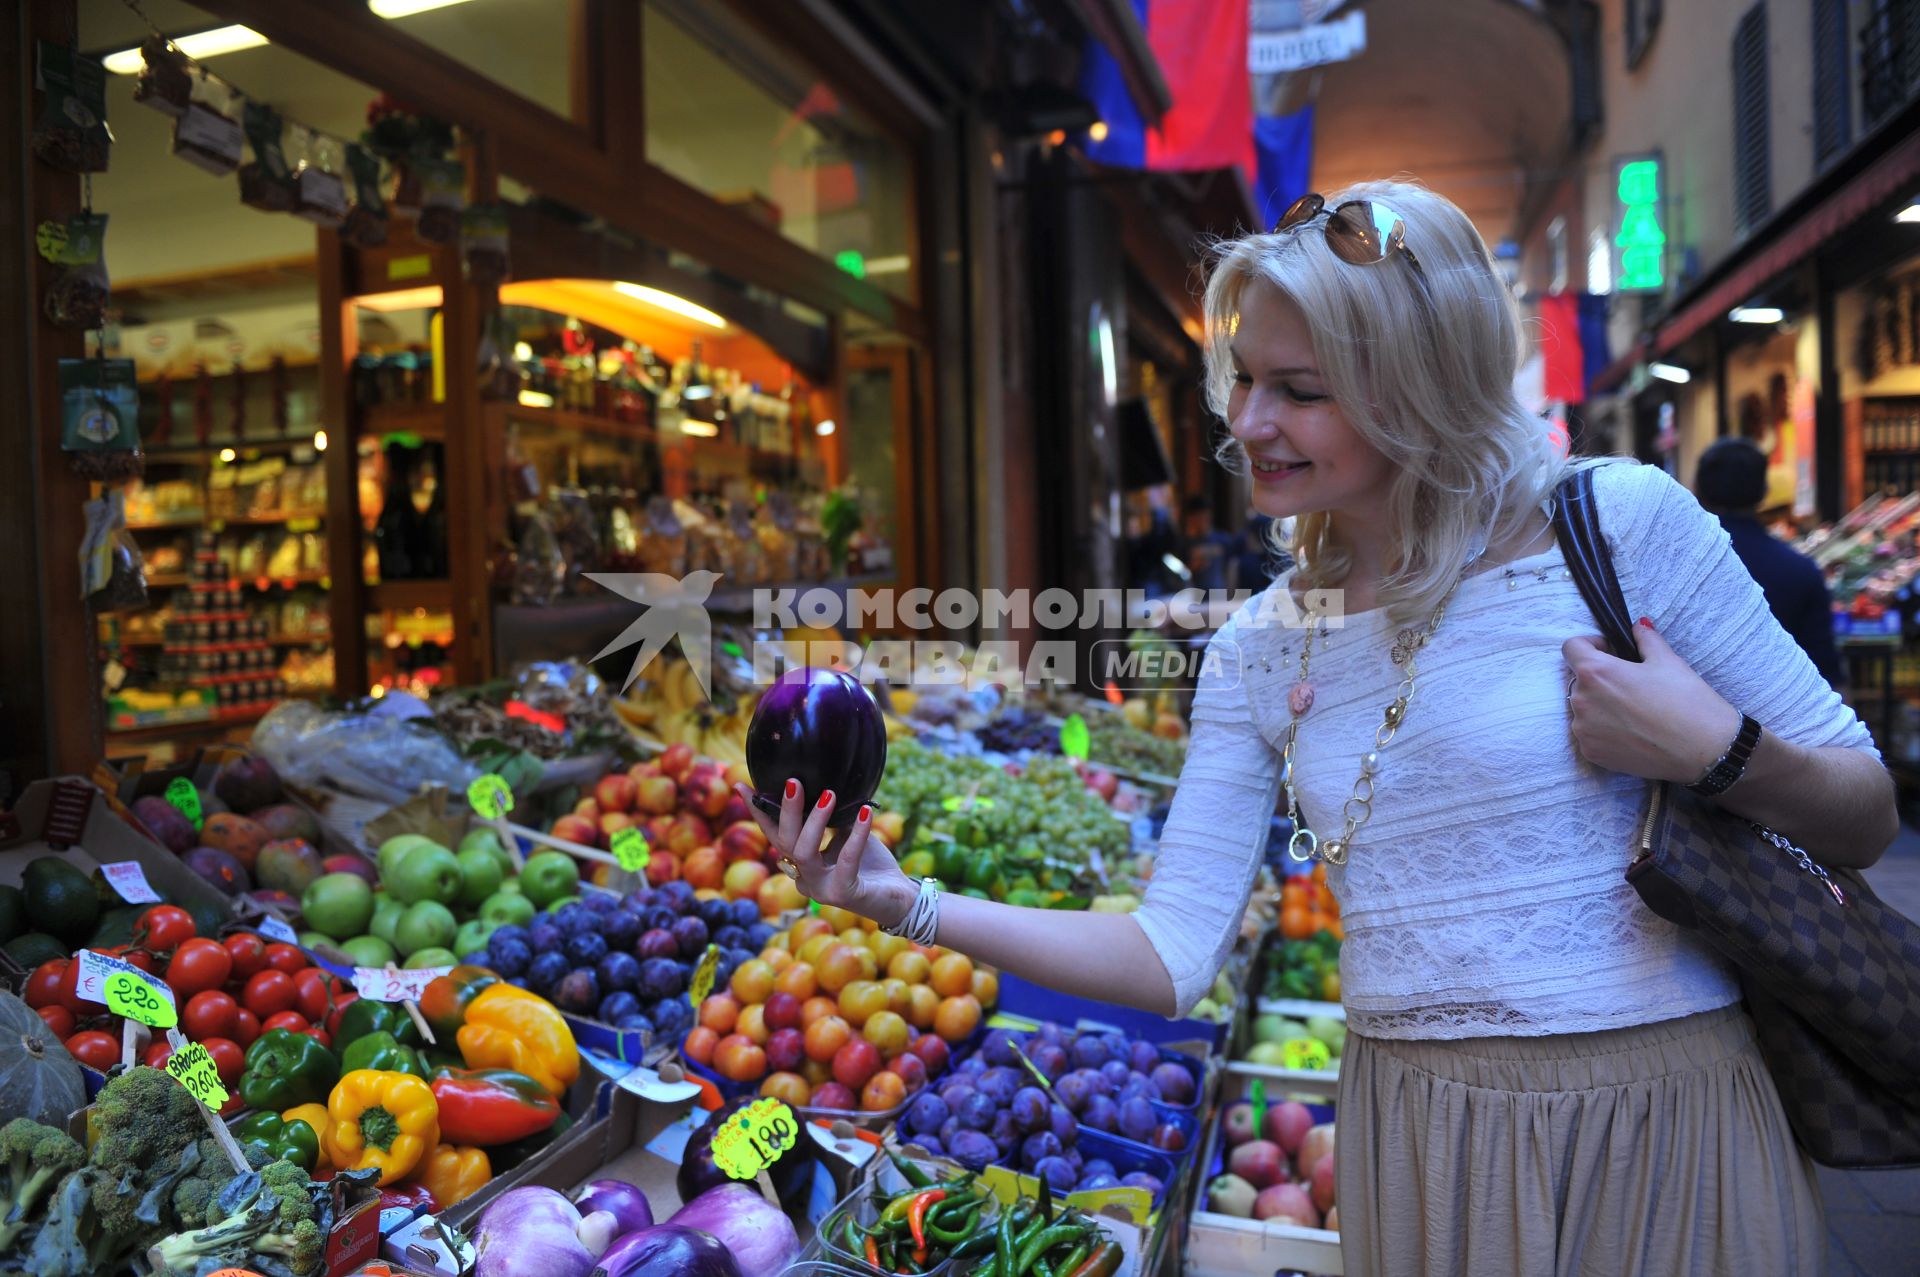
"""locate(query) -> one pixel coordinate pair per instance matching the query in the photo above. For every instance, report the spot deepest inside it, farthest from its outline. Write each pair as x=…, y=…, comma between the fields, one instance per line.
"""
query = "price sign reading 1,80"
x=755, y=1138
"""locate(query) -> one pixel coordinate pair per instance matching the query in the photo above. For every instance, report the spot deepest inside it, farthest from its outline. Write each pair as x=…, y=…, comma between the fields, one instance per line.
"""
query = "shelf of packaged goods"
x=178, y=580
x=402, y=596
x=297, y=364
x=233, y=521
x=607, y=427
x=194, y=452
x=276, y=640
x=166, y=580
x=428, y=420
x=220, y=721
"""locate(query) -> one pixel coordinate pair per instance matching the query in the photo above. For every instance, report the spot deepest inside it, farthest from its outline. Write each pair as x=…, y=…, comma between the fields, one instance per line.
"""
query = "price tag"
x=1075, y=740
x=1305, y=1053
x=130, y=881
x=702, y=983
x=129, y=995
x=274, y=929
x=490, y=796
x=195, y=1070
x=377, y=984
x=753, y=1139
x=185, y=799
x=1259, y=1099
x=90, y=985
x=629, y=847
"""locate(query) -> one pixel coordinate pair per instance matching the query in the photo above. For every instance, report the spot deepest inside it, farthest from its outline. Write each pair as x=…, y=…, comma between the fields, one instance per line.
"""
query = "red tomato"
x=95, y=1049
x=290, y=1020
x=164, y=928
x=158, y=1054
x=319, y=1035
x=286, y=957
x=70, y=994
x=246, y=1027
x=59, y=1021
x=132, y=955
x=341, y=1001
x=313, y=994
x=43, y=986
x=198, y=965
x=209, y=1014
x=269, y=993
x=249, y=954
x=228, y=1058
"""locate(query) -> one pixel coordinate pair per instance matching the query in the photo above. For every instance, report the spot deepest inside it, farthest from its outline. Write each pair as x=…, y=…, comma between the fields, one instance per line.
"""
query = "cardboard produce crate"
x=1220, y=1245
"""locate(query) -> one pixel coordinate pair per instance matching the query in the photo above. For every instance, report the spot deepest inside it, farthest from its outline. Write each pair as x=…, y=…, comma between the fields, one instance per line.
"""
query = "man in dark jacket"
x=1731, y=482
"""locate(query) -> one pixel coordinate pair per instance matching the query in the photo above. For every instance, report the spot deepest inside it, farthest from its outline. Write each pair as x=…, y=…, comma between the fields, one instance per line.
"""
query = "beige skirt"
x=1659, y=1150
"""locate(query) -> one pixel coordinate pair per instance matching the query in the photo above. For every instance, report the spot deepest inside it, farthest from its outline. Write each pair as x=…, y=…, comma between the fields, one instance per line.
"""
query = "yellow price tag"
x=185, y=799
x=195, y=1070
x=629, y=847
x=702, y=983
x=129, y=995
x=1305, y=1053
x=754, y=1138
x=1075, y=739
x=490, y=796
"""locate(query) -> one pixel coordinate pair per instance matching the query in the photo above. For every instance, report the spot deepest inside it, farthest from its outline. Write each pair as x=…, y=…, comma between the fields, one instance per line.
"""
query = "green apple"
x=1329, y=1030
x=397, y=846
x=1204, y=1009
x=564, y=901
x=427, y=924
x=549, y=876
x=368, y=951
x=472, y=937
x=480, y=875
x=314, y=940
x=1271, y=1054
x=386, y=916
x=1277, y=1029
x=425, y=958
x=487, y=839
x=511, y=885
x=340, y=905
x=503, y=908
x=427, y=871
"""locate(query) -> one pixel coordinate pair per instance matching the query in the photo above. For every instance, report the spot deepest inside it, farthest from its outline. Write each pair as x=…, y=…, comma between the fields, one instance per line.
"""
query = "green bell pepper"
x=285, y=1068
x=379, y=1050
x=364, y=1016
x=293, y=1141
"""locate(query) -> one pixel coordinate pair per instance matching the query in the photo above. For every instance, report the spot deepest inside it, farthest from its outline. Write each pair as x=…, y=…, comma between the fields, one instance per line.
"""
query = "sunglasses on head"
x=1360, y=232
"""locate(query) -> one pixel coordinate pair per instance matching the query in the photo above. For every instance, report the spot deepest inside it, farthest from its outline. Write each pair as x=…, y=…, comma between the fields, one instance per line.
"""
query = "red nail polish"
x=866, y=813
x=1644, y=621
x=826, y=800
x=793, y=788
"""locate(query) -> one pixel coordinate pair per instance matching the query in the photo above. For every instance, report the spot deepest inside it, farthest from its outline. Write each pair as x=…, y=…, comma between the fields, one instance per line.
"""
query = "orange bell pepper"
x=508, y=1028
x=383, y=1120
x=452, y=1173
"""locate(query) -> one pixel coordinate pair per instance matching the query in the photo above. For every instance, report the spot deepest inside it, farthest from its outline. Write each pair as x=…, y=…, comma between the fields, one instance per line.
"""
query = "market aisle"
x=1873, y=1217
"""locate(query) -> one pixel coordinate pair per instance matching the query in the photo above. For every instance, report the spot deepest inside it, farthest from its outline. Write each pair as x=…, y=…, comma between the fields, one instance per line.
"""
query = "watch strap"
x=1720, y=777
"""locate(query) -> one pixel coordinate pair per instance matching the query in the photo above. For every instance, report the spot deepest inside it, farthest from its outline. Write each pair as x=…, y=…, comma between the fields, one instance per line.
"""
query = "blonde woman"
x=1541, y=1076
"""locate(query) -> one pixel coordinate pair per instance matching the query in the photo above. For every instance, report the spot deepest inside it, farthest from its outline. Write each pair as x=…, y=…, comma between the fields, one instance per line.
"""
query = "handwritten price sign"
x=1306, y=1053
x=195, y=1070
x=129, y=995
x=185, y=799
x=490, y=796
x=130, y=882
x=754, y=1139
x=377, y=984
x=629, y=847
x=274, y=929
x=90, y=985
x=702, y=983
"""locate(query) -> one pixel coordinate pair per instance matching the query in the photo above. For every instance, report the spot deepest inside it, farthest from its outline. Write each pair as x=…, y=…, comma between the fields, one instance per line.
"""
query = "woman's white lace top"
x=1485, y=896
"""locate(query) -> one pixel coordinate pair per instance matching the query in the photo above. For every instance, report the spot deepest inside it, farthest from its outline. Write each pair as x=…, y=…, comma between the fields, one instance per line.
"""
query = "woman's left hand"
x=1656, y=719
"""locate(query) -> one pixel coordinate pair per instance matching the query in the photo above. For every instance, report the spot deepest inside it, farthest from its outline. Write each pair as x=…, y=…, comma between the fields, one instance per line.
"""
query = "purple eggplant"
x=623, y=1201
x=667, y=1251
x=822, y=728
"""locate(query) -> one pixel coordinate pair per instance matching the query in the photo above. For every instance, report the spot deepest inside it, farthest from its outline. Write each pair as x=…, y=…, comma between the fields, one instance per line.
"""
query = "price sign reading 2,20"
x=755, y=1138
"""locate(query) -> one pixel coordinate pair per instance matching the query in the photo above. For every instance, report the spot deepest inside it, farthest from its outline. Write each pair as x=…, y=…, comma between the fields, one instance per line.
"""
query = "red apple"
x=735, y=811
x=616, y=792
x=1287, y=1124
x=355, y=865
x=743, y=840
x=577, y=829
x=657, y=796
x=657, y=827
x=688, y=832
x=786, y=1048
x=1240, y=1125
x=664, y=866
x=855, y=1063
x=1317, y=1144
x=1259, y=1162
x=782, y=1011
x=1320, y=1184
x=1287, y=1203
x=588, y=808
x=675, y=761
x=1103, y=782
x=832, y=1095
x=612, y=823
x=934, y=1051
x=640, y=771
x=705, y=791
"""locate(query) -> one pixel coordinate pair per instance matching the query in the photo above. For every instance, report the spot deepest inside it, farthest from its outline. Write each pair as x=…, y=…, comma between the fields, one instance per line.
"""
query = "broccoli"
x=261, y=1213
x=143, y=1117
x=212, y=1172
x=36, y=1157
x=72, y=1242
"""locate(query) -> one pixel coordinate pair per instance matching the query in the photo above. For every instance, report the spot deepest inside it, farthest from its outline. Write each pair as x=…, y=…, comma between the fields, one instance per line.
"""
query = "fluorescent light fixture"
x=668, y=302
x=536, y=399
x=699, y=429
x=1911, y=213
x=1670, y=372
x=319, y=441
x=825, y=428
x=202, y=44
x=426, y=297
x=407, y=8
x=1756, y=314
x=895, y=265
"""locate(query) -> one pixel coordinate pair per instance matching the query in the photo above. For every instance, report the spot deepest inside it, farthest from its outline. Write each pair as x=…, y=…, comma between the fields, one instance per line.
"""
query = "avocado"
x=60, y=899
x=116, y=927
x=208, y=920
x=13, y=913
x=34, y=948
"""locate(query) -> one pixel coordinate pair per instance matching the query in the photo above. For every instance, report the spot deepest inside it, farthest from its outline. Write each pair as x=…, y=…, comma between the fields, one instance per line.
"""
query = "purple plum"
x=1037, y=1146
x=545, y=971
x=1137, y=1119
x=1050, y=1031
x=585, y=948
x=619, y=972
x=1175, y=1083
x=998, y=1049
x=657, y=943
x=1050, y=1060
x=690, y=934
x=972, y=1149
x=976, y=1112
x=672, y=1017
x=1101, y=1113
x=662, y=978
x=1143, y=1056
x=1104, y=1179
x=1089, y=1052
x=1058, y=1172
x=616, y=1006
x=621, y=929
x=955, y=1093
x=1075, y=1089
x=1062, y=1123
x=927, y=1112
x=1005, y=1135
x=972, y=1066
x=1030, y=1110
x=1114, y=1073
x=1140, y=1179
x=999, y=1085
x=931, y=1143
x=577, y=992
x=948, y=1129
x=1099, y=1166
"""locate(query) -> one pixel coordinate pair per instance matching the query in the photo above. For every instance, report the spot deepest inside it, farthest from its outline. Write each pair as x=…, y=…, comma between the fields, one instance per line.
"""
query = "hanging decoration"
x=71, y=133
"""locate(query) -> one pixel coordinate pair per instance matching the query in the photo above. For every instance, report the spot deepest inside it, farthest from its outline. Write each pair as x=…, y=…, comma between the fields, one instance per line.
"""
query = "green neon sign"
x=1642, y=240
x=851, y=262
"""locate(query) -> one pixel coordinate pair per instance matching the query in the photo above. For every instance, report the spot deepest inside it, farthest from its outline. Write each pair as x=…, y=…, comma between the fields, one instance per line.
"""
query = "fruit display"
x=627, y=962
x=668, y=708
x=1127, y=741
x=1277, y=1165
x=426, y=904
x=1307, y=907
x=835, y=1014
x=253, y=840
x=1302, y=969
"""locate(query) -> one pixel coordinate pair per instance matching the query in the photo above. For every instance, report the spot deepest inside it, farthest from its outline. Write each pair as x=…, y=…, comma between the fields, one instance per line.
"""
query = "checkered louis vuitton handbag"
x=1830, y=973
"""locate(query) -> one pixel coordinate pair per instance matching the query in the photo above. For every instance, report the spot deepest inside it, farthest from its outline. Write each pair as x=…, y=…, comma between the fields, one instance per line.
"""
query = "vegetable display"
x=510, y=1028
x=384, y=1121
x=756, y=1233
x=280, y=1140
x=792, y=1175
x=920, y=1227
x=531, y=1232
x=666, y=1251
x=285, y=1069
x=1031, y=1238
x=491, y=1106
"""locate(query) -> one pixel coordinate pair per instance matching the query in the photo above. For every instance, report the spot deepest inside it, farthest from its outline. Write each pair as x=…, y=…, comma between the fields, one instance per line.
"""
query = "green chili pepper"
x=1045, y=1241
x=1073, y=1258
x=1042, y=1268
x=980, y=1243
x=915, y=1175
x=956, y=1230
x=856, y=1244
x=1104, y=1262
x=1003, y=1248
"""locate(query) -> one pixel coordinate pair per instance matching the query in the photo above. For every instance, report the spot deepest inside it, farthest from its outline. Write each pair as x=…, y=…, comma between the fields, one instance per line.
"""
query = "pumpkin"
x=38, y=1079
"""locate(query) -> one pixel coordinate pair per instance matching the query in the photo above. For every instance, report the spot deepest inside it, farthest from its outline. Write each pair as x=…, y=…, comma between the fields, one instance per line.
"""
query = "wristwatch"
x=1721, y=776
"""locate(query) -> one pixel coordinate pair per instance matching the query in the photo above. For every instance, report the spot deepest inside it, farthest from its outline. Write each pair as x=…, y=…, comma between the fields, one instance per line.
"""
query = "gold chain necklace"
x=1305, y=845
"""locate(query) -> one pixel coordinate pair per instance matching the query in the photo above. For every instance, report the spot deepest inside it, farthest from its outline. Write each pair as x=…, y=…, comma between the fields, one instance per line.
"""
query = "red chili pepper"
x=873, y=1253
x=917, y=1218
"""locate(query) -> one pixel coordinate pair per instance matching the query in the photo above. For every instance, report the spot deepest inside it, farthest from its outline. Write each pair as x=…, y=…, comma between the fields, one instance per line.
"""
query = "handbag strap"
x=1576, y=525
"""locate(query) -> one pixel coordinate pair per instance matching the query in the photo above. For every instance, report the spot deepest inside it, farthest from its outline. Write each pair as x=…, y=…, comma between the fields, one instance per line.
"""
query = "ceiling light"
x=227, y=454
x=1670, y=372
x=407, y=8
x=700, y=429
x=427, y=297
x=536, y=399
x=668, y=302
x=1911, y=213
x=1756, y=314
x=824, y=428
x=202, y=44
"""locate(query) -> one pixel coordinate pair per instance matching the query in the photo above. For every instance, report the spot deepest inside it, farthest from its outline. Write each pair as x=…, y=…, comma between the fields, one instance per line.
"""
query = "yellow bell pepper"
x=314, y=1115
x=509, y=1028
x=383, y=1120
x=453, y=1173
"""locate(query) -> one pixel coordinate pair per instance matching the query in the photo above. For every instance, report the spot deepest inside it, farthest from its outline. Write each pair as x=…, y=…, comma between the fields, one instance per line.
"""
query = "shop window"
x=524, y=48
x=1752, y=134
x=1889, y=57
x=741, y=119
x=1832, y=87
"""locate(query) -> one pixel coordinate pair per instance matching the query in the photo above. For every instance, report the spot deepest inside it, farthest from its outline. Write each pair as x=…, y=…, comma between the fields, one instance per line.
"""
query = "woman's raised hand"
x=854, y=871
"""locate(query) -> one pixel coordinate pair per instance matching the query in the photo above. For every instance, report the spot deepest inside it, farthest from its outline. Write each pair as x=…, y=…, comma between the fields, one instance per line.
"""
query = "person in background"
x=1731, y=482
x=1260, y=559
x=1210, y=553
x=1148, y=551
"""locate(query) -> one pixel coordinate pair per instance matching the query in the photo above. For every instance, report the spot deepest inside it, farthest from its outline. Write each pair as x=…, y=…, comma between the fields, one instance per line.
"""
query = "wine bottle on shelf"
x=238, y=400
x=393, y=531
x=432, y=522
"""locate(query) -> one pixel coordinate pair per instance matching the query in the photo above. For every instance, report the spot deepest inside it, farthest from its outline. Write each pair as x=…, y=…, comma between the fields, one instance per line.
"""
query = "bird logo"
x=675, y=606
